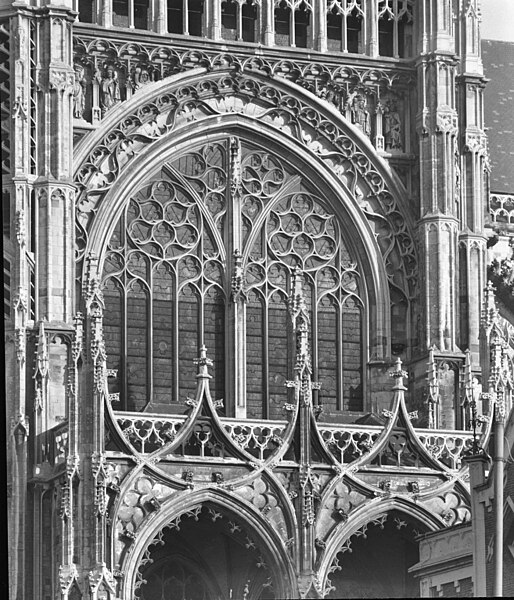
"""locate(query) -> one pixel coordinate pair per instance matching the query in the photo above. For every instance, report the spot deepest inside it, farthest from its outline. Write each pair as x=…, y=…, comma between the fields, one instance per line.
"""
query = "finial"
x=398, y=373
x=203, y=363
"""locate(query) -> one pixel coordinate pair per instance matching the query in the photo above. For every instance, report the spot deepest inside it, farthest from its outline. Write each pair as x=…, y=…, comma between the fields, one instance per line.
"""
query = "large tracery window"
x=168, y=283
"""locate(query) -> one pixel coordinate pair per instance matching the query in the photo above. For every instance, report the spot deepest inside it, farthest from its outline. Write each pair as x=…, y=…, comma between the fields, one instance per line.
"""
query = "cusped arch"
x=281, y=567
x=367, y=513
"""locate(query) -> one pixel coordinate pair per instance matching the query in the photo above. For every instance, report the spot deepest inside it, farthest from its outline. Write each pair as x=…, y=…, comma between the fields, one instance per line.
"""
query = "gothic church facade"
x=226, y=226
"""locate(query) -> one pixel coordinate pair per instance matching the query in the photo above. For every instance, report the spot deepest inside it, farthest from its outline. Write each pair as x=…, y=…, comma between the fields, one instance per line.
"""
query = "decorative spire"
x=203, y=363
x=300, y=321
x=297, y=306
x=41, y=367
x=433, y=390
x=490, y=314
x=398, y=374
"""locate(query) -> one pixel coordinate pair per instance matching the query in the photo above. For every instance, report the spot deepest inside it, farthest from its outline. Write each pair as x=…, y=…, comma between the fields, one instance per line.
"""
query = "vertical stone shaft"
x=235, y=372
x=471, y=158
x=16, y=183
x=437, y=129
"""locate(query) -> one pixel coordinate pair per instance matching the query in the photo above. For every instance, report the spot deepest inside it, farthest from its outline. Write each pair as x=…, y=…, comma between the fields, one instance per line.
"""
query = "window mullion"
x=265, y=359
x=340, y=354
x=239, y=10
x=395, y=29
x=344, y=36
x=292, y=32
x=185, y=18
x=175, y=337
x=149, y=341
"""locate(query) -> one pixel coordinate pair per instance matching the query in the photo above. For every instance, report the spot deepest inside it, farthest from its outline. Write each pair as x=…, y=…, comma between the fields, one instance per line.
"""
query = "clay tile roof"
x=498, y=59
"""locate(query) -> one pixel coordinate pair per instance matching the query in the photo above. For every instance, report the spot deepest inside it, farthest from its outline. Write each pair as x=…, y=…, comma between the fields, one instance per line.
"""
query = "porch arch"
x=367, y=514
x=256, y=528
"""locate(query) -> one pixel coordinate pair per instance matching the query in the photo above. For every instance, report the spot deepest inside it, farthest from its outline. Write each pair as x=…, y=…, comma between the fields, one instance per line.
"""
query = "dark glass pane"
x=120, y=13
x=86, y=11
x=195, y=17
x=249, y=20
x=282, y=26
x=353, y=32
x=385, y=37
x=141, y=13
x=175, y=16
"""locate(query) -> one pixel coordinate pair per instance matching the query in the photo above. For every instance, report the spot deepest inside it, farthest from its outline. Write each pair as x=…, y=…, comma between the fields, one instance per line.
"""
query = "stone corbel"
x=476, y=143
x=447, y=122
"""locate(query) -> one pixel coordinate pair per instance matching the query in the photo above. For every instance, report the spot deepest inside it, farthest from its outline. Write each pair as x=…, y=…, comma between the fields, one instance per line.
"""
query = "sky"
x=498, y=20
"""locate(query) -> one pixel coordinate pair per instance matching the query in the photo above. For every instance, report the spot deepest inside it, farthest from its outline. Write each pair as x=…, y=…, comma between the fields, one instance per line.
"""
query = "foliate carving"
x=451, y=507
x=68, y=574
x=21, y=228
x=76, y=345
x=20, y=343
x=61, y=80
x=447, y=122
x=476, y=142
x=104, y=474
x=20, y=108
x=235, y=167
x=101, y=576
x=237, y=277
x=41, y=368
x=20, y=304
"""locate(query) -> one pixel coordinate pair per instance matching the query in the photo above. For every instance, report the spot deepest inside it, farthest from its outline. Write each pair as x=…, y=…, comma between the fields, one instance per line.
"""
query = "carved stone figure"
x=79, y=93
x=393, y=127
x=109, y=88
x=140, y=77
x=360, y=114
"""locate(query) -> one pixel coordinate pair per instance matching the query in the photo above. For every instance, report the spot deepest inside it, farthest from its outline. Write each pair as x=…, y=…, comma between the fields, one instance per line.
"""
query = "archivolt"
x=200, y=101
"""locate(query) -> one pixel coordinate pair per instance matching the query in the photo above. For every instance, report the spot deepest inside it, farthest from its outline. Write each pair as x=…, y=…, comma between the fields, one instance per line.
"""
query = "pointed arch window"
x=293, y=23
x=208, y=251
x=345, y=25
x=130, y=13
x=185, y=17
x=239, y=19
x=395, y=28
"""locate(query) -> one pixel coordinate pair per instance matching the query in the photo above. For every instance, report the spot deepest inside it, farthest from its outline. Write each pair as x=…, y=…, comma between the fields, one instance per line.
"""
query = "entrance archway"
x=207, y=553
x=374, y=562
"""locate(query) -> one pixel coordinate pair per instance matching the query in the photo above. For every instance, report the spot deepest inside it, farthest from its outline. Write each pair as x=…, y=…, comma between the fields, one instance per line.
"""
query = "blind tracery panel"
x=168, y=275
